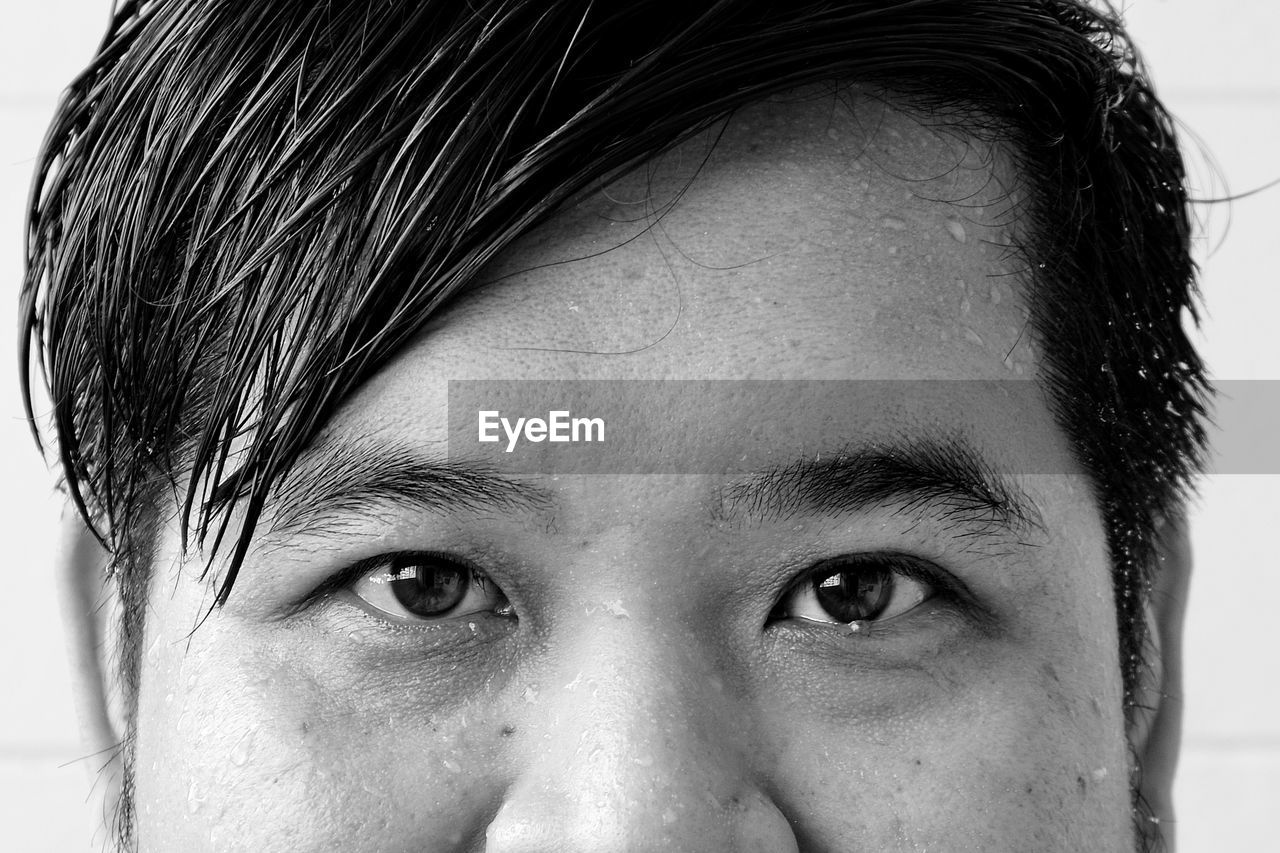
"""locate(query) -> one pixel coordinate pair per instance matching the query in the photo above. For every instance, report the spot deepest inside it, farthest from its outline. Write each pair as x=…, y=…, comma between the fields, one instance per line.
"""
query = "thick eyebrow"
x=340, y=479
x=945, y=477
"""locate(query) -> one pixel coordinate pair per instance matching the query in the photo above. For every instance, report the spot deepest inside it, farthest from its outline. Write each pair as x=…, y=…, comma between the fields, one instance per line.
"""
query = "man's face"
x=665, y=661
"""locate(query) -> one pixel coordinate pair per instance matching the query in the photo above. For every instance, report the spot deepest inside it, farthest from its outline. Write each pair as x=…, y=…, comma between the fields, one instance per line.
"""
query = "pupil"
x=850, y=595
x=428, y=588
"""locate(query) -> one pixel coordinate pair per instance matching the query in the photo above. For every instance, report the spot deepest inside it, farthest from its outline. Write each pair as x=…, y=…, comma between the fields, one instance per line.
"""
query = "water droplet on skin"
x=240, y=752
x=669, y=817
x=168, y=698
x=153, y=651
x=956, y=230
x=965, y=306
x=995, y=295
x=471, y=626
x=644, y=760
x=893, y=250
x=973, y=337
x=530, y=695
x=452, y=766
x=573, y=685
x=1100, y=774
x=615, y=608
x=893, y=223
x=193, y=799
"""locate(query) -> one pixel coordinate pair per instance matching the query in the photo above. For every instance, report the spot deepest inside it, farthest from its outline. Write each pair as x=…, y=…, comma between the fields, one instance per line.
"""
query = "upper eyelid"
x=945, y=584
x=917, y=568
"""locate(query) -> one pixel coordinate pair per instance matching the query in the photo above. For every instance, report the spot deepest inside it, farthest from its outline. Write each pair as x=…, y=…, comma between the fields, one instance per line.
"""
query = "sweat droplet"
x=973, y=337
x=244, y=746
x=893, y=223
x=193, y=799
x=615, y=608
x=956, y=230
x=452, y=766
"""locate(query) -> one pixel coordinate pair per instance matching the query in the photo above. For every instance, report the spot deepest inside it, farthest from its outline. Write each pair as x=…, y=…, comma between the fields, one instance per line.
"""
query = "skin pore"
x=646, y=679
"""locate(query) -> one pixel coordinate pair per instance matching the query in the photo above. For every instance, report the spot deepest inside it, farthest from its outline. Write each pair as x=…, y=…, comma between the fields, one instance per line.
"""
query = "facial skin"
x=644, y=690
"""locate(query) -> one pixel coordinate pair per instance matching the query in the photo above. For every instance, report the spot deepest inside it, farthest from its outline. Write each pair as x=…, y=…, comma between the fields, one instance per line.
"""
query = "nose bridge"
x=641, y=747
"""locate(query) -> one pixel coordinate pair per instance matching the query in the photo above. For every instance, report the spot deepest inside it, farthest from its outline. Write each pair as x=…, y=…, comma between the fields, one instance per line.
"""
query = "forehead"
x=820, y=235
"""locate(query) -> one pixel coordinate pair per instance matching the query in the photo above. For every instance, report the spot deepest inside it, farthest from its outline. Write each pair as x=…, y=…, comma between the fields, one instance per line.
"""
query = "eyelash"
x=346, y=579
x=938, y=584
x=946, y=589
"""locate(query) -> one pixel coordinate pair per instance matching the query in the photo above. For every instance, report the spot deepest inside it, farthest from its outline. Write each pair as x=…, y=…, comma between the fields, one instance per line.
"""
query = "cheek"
x=1010, y=756
x=250, y=751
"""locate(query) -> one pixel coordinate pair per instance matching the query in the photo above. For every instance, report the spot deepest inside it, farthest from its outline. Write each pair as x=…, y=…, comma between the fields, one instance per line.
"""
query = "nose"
x=642, y=747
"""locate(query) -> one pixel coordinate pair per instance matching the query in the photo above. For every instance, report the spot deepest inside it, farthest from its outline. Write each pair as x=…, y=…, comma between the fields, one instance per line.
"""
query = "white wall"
x=1215, y=65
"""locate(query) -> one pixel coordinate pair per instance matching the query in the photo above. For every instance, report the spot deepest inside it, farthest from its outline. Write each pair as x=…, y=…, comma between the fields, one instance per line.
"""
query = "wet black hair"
x=244, y=208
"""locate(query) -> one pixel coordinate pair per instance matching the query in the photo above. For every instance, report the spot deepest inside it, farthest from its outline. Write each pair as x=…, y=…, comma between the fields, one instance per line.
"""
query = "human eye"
x=860, y=588
x=415, y=587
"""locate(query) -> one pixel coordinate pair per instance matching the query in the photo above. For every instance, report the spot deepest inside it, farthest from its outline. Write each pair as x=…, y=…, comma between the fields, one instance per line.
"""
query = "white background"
x=1213, y=63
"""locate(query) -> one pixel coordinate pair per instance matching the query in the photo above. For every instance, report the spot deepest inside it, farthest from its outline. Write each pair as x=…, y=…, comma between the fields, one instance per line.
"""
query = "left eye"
x=423, y=586
x=861, y=588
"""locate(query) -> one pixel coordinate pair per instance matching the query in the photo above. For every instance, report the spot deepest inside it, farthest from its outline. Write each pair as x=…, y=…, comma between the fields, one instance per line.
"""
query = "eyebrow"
x=943, y=476
x=338, y=479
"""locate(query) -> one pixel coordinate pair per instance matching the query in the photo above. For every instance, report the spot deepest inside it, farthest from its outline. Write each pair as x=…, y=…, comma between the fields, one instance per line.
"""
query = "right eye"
x=425, y=587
